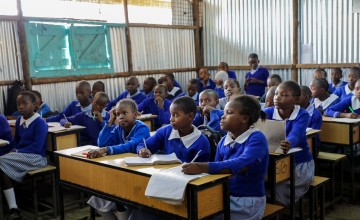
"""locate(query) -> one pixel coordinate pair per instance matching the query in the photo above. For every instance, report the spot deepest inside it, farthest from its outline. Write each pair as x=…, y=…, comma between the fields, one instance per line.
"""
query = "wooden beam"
x=9, y=18
x=161, y=26
x=148, y=72
x=128, y=39
x=8, y=82
x=327, y=65
x=23, y=47
x=295, y=50
x=270, y=67
x=197, y=41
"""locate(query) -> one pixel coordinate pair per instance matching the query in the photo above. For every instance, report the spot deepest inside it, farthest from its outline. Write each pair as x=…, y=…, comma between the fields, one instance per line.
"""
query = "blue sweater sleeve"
x=108, y=136
x=295, y=135
x=5, y=130
x=316, y=120
x=155, y=142
x=215, y=117
x=335, y=110
x=38, y=145
x=198, y=119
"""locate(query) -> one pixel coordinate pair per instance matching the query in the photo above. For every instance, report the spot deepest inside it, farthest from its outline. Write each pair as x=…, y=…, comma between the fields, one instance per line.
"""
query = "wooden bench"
x=272, y=211
x=318, y=184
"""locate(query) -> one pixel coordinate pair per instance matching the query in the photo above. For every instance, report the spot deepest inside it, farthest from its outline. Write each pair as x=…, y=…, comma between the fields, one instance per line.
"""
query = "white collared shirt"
x=326, y=102
x=91, y=115
x=130, y=96
x=347, y=90
x=241, y=139
x=84, y=109
x=339, y=84
x=194, y=97
x=187, y=140
x=29, y=120
x=254, y=71
x=355, y=103
x=174, y=90
x=310, y=109
x=276, y=115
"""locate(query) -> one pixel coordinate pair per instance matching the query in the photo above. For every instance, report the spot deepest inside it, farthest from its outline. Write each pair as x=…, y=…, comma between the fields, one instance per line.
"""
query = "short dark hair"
x=355, y=70
x=37, y=93
x=253, y=55
x=250, y=106
x=29, y=94
x=306, y=91
x=100, y=84
x=337, y=69
x=234, y=81
x=276, y=77
x=152, y=80
x=170, y=75
x=186, y=104
x=129, y=102
x=293, y=87
x=322, y=82
x=84, y=84
x=193, y=82
x=321, y=70
x=211, y=92
x=224, y=64
x=102, y=95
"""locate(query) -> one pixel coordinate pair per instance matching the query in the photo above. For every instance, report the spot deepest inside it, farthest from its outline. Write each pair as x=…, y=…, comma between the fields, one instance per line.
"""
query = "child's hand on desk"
x=67, y=124
x=144, y=152
x=97, y=153
x=285, y=146
x=352, y=115
x=195, y=168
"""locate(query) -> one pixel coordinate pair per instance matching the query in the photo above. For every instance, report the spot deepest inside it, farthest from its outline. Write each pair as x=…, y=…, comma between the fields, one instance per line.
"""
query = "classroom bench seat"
x=272, y=211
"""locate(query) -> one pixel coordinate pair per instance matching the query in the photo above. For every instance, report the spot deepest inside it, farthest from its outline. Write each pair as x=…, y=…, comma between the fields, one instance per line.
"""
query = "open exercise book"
x=3, y=142
x=169, y=185
x=84, y=153
x=275, y=132
x=155, y=159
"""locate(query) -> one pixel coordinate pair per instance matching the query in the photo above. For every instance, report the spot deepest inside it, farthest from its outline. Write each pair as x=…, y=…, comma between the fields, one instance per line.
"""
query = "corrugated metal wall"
x=118, y=49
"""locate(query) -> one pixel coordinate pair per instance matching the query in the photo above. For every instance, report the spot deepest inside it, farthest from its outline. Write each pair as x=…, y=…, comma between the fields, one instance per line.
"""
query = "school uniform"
x=149, y=95
x=5, y=134
x=149, y=106
x=72, y=109
x=210, y=84
x=231, y=74
x=343, y=106
x=195, y=97
x=222, y=103
x=118, y=141
x=333, y=87
x=93, y=126
x=247, y=188
x=174, y=93
x=296, y=126
x=29, y=148
x=220, y=92
x=169, y=141
x=138, y=97
x=315, y=117
x=344, y=92
x=213, y=122
x=44, y=108
x=257, y=89
x=330, y=101
x=176, y=84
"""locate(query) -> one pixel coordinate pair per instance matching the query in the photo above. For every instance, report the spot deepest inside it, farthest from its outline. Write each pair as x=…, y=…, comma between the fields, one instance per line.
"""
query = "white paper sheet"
x=274, y=132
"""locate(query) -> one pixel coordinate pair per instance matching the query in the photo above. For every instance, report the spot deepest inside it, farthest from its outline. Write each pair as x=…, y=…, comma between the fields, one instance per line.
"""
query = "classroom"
x=257, y=100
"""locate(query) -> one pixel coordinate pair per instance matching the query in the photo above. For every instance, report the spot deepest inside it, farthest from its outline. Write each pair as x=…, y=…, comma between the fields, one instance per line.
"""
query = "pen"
x=352, y=110
x=65, y=118
x=145, y=143
x=196, y=156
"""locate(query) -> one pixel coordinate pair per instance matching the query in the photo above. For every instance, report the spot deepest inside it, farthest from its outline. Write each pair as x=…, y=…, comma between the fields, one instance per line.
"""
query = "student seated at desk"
x=319, y=73
x=208, y=114
x=286, y=97
x=192, y=90
x=173, y=91
x=347, y=108
x=82, y=104
x=98, y=86
x=28, y=152
x=205, y=82
x=132, y=86
x=244, y=153
x=348, y=90
x=231, y=88
x=269, y=99
x=116, y=140
x=321, y=98
x=5, y=134
x=336, y=82
x=157, y=105
x=315, y=119
x=93, y=120
x=40, y=107
x=149, y=86
x=273, y=80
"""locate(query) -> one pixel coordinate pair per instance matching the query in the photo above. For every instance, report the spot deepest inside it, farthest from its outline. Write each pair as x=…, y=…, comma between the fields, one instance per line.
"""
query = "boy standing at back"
x=255, y=81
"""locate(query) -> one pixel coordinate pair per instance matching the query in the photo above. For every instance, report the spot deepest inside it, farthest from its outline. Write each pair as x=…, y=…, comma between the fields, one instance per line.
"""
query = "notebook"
x=169, y=185
x=84, y=153
x=3, y=142
x=155, y=159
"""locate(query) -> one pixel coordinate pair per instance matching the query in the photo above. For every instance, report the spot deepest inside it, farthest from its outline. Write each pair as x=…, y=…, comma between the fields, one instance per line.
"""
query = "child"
x=93, y=120
x=5, y=134
x=148, y=87
x=225, y=67
x=319, y=73
x=40, y=107
x=192, y=90
x=157, y=105
x=273, y=80
x=319, y=91
x=315, y=119
x=220, y=78
x=98, y=86
x=347, y=108
x=117, y=140
x=255, y=80
x=336, y=82
x=29, y=149
x=231, y=88
x=244, y=153
x=173, y=91
x=347, y=90
x=132, y=86
x=287, y=95
x=82, y=104
x=204, y=80
x=208, y=114
x=269, y=100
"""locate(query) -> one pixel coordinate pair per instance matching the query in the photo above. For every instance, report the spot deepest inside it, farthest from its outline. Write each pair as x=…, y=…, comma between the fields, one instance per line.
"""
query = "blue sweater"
x=332, y=88
x=5, y=134
x=31, y=139
x=210, y=85
x=90, y=134
x=214, y=122
x=118, y=141
x=315, y=119
x=149, y=106
x=220, y=92
x=341, y=92
x=160, y=141
x=44, y=108
x=70, y=110
x=138, y=98
x=343, y=106
x=149, y=95
x=231, y=74
x=295, y=132
x=257, y=89
x=252, y=153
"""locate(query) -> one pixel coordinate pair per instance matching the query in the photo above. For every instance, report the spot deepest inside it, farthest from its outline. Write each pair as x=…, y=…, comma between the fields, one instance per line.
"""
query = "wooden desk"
x=148, y=119
x=344, y=132
x=312, y=141
x=111, y=179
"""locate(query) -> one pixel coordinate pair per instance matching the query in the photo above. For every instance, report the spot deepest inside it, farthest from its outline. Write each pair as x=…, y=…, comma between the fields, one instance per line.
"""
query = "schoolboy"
x=225, y=67
x=319, y=73
x=40, y=107
x=336, y=82
x=204, y=80
x=255, y=80
x=273, y=80
x=148, y=87
x=173, y=91
x=98, y=86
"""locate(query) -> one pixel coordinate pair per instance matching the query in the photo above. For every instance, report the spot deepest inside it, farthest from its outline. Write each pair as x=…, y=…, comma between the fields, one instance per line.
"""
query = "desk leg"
x=1, y=205
x=352, y=173
x=59, y=191
x=292, y=187
x=226, y=186
x=192, y=204
x=272, y=180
